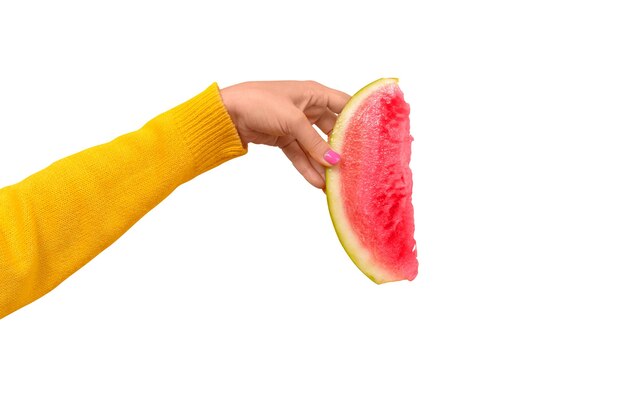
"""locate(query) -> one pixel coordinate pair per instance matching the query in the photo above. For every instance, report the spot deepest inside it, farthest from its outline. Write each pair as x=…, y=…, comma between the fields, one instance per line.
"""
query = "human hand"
x=282, y=113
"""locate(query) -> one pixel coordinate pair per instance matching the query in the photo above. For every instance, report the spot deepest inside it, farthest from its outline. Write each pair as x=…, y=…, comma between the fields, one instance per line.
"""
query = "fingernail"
x=331, y=157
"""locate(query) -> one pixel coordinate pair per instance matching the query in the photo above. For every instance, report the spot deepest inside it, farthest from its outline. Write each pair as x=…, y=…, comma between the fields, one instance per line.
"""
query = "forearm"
x=58, y=219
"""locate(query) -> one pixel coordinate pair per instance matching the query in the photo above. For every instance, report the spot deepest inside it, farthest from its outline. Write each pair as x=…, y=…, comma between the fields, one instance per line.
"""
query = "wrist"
x=229, y=99
x=207, y=130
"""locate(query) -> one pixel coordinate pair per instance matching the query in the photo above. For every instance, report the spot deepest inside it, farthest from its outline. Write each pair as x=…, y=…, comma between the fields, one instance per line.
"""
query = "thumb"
x=300, y=127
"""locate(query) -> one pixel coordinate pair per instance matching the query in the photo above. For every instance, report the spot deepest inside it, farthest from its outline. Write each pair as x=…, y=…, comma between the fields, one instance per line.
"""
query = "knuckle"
x=319, y=147
x=293, y=121
x=312, y=84
x=312, y=88
x=300, y=121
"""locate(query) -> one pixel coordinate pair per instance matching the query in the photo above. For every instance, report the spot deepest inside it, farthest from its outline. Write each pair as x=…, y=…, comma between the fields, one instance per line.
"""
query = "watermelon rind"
x=359, y=254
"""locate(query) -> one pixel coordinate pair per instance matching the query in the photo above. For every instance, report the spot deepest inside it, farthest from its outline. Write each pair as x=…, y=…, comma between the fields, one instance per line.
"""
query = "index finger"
x=335, y=99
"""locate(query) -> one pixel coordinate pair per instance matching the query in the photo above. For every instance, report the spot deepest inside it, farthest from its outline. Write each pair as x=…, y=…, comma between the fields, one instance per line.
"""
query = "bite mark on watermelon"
x=369, y=191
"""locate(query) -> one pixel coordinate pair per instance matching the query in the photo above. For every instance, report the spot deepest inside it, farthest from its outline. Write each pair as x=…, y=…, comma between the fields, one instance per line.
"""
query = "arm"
x=58, y=219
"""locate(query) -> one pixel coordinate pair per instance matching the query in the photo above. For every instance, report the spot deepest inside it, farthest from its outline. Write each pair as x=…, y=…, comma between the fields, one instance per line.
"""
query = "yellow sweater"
x=58, y=219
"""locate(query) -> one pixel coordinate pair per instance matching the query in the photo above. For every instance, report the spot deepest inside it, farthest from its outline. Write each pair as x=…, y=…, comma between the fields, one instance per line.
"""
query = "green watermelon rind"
x=359, y=254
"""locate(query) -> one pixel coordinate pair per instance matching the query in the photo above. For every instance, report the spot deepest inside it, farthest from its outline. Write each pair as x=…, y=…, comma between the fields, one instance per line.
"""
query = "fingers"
x=310, y=140
x=320, y=169
x=326, y=121
x=336, y=99
x=302, y=163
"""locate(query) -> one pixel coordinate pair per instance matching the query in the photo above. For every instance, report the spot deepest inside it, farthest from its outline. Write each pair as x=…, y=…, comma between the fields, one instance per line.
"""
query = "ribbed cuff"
x=207, y=130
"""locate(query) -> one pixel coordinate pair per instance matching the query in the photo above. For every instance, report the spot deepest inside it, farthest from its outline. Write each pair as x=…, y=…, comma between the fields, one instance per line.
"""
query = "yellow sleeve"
x=58, y=219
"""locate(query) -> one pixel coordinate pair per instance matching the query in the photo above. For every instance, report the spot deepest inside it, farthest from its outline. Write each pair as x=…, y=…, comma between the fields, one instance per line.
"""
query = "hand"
x=282, y=113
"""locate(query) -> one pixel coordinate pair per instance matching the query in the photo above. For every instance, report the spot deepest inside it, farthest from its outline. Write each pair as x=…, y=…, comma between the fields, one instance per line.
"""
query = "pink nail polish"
x=331, y=157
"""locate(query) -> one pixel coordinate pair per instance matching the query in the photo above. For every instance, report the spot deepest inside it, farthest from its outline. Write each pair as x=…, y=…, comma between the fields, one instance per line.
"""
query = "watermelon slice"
x=369, y=191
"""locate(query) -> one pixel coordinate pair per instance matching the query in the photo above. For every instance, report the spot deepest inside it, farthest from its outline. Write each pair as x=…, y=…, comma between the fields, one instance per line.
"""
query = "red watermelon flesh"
x=369, y=191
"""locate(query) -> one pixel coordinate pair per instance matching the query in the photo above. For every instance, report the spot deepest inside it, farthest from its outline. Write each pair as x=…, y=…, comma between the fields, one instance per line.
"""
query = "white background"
x=234, y=297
